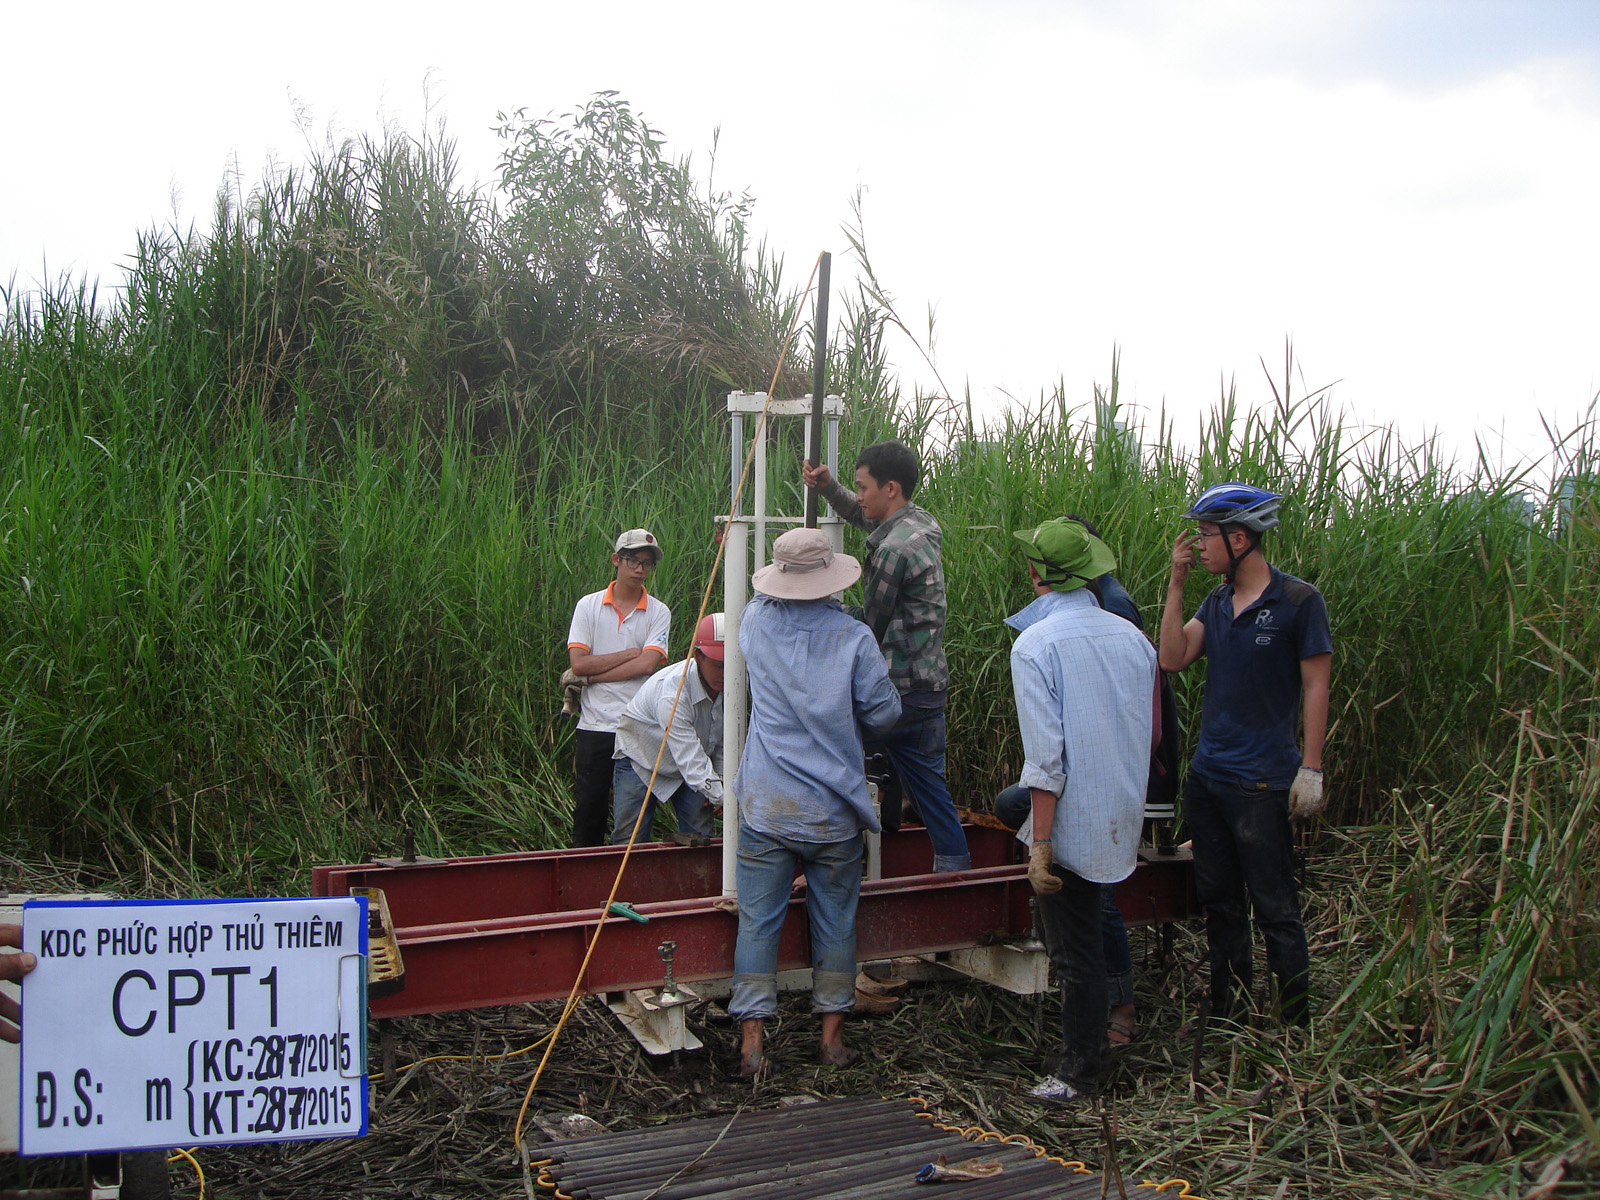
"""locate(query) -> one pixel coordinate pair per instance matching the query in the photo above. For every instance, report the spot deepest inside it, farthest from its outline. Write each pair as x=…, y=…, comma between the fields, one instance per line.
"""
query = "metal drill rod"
x=872, y=1138
x=748, y=1123
x=808, y=1114
x=1016, y=1173
x=800, y=1180
x=819, y=379
x=858, y=1178
x=652, y=1165
x=877, y=1164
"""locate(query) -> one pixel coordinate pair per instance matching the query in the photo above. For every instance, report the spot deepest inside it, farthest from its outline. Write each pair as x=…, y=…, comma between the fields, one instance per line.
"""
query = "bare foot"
x=831, y=1049
x=753, y=1064
x=753, y=1061
x=837, y=1054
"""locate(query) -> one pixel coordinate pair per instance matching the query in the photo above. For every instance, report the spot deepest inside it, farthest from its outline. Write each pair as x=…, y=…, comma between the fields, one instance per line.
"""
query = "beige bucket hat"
x=805, y=566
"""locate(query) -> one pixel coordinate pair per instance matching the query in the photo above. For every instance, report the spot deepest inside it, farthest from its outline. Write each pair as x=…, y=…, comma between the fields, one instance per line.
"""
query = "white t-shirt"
x=598, y=628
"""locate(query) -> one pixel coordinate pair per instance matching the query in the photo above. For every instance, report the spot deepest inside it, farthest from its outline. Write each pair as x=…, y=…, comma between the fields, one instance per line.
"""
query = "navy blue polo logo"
x=1264, y=627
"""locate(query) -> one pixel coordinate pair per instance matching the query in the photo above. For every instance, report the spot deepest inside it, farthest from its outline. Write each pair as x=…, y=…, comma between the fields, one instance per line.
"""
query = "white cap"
x=638, y=539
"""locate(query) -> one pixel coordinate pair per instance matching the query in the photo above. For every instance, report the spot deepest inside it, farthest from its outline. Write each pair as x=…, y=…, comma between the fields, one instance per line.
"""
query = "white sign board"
x=192, y=1023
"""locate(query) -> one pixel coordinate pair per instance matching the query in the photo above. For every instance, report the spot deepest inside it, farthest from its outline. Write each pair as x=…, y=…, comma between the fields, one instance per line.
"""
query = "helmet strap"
x=1235, y=559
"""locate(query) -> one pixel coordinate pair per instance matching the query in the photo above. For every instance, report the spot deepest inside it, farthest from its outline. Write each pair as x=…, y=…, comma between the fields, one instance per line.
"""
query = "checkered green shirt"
x=903, y=582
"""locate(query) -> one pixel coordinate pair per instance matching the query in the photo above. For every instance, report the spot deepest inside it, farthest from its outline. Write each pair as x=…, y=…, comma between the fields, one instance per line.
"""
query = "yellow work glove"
x=572, y=685
x=1044, y=883
x=1305, y=794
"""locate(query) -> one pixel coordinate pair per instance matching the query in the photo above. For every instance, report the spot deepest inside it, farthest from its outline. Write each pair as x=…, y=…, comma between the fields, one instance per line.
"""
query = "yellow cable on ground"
x=193, y=1162
x=463, y=1058
x=705, y=599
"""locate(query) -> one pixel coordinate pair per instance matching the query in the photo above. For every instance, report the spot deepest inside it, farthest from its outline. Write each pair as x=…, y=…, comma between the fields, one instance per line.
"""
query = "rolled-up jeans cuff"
x=950, y=863
x=1119, y=988
x=755, y=996
x=831, y=991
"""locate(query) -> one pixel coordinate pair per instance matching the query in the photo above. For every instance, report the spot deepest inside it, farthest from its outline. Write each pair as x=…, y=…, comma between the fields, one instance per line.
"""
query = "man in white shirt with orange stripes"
x=617, y=638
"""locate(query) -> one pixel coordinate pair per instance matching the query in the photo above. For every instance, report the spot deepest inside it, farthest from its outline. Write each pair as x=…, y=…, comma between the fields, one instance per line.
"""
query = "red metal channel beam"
x=548, y=881
x=544, y=881
x=511, y=928
x=518, y=959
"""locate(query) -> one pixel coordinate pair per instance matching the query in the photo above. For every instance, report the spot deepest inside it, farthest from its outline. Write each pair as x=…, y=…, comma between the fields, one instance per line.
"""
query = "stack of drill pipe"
x=865, y=1149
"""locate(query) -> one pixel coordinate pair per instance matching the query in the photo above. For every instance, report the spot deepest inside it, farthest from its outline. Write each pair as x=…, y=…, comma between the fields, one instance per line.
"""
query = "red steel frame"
x=512, y=928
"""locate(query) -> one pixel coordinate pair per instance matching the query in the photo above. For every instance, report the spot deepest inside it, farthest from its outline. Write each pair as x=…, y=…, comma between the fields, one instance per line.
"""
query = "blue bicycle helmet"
x=1239, y=504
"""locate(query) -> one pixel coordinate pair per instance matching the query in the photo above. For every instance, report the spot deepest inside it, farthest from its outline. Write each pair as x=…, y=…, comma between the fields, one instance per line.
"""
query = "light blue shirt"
x=1085, y=687
x=816, y=676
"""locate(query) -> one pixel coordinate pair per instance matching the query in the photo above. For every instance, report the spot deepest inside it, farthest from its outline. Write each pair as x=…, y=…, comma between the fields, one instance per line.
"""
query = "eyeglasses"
x=1200, y=535
x=647, y=561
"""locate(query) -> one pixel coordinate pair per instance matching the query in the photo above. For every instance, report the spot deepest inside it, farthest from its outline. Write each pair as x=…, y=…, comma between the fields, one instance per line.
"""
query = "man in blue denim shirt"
x=816, y=678
x=1269, y=652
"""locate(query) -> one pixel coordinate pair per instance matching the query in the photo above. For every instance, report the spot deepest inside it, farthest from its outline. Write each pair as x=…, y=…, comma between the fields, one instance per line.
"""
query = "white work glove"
x=572, y=685
x=1305, y=794
x=1039, y=875
x=712, y=793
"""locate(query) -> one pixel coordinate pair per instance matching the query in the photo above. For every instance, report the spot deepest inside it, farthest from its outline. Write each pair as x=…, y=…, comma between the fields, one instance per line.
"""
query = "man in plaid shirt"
x=905, y=608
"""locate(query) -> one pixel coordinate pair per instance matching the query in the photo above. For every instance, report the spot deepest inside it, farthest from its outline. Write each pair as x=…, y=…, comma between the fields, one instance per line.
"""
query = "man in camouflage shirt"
x=905, y=608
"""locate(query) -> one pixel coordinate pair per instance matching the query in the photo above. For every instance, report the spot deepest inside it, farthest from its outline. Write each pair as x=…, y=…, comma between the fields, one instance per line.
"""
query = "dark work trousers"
x=591, y=786
x=1244, y=862
x=1071, y=920
x=1013, y=806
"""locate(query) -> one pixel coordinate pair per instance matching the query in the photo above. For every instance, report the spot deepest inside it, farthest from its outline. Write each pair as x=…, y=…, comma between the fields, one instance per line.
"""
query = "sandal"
x=1120, y=1031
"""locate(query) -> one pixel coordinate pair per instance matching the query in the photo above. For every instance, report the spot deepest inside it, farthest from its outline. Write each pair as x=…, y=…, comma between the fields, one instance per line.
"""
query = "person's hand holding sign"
x=12, y=968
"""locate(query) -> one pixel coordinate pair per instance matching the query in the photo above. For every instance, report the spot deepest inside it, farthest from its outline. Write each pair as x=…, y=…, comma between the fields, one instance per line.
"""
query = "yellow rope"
x=974, y=1133
x=193, y=1162
x=547, y=1180
x=1185, y=1194
x=574, y=995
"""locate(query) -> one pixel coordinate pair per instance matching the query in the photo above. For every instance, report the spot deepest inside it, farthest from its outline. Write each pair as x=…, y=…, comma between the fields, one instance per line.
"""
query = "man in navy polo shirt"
x=1266, y=637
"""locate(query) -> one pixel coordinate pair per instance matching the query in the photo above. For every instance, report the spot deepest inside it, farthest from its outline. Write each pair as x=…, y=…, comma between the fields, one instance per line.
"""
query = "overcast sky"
x=1407, y=189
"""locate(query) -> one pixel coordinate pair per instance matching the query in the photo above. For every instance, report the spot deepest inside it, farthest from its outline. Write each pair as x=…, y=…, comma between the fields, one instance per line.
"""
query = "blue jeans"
x=1244, y=862
x=1013, y=806
x=694, y=814
x=833, y=885
x=915, y=747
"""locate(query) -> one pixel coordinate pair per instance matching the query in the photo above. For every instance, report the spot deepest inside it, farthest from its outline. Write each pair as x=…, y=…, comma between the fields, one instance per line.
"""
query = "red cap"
x=708, y=636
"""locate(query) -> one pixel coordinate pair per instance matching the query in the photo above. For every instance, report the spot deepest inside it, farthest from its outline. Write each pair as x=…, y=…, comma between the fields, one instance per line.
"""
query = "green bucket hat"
x=1065, y=554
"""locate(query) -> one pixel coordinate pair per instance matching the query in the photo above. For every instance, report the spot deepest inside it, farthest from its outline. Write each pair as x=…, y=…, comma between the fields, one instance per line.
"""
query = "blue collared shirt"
x=1251, y=709
x=816, y=677
x=1085, y=683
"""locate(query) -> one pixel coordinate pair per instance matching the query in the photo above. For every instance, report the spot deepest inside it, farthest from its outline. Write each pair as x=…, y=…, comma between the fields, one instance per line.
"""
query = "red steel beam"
x=511, y=960
x=542, y=881
x=545, y=881
x=514, y=928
